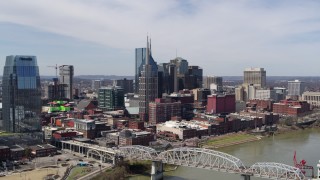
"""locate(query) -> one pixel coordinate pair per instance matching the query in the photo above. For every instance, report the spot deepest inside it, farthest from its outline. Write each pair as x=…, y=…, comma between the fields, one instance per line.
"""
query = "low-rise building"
x=64, y=135
x=313, y=98
x=17, y=152
x=134, y=124
x=261, y=104
x=130, y=137
x=43, y=150
x=87, y=127
x=291, y=107
x=181, y=130
x=5, y=153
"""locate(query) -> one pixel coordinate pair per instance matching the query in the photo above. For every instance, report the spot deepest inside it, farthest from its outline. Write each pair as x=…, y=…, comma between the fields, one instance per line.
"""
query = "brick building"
x=136, y=125
x=43, y=150
x=259, y=104
x=87, y=127
x=291, y=107
x=5, y=153
x=131, y=137
x=64, y=135
x=162, y=110
x=186, y=98
x=221, y=103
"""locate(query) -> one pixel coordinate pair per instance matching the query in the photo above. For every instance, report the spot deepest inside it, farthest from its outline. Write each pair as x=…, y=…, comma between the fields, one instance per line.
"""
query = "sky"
x=223, y=37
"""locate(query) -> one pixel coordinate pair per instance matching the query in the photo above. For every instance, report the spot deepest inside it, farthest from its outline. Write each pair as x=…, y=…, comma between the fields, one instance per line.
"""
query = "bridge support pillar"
x=156, y=170
x=245, y=176
x=116, y=159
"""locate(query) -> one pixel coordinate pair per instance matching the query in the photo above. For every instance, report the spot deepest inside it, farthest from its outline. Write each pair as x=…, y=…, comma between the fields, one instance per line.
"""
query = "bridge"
x=190, y=157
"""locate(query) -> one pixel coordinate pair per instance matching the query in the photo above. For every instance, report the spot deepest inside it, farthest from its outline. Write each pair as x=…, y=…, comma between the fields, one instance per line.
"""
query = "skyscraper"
x=66, y=77
x=96, y=85
x=21, y=94
x=148, y=85
x=295, y=88
x=140, y=61
x=213, y=80
x=193, y=79
x=255, y=76
x=126, y=84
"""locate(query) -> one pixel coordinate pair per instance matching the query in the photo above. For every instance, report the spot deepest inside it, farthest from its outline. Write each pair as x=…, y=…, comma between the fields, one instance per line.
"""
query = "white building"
x=266, y=94
x=313, y=98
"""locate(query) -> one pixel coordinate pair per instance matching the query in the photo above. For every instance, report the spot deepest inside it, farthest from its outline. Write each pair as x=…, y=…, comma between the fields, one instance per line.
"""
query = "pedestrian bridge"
x=190, y=157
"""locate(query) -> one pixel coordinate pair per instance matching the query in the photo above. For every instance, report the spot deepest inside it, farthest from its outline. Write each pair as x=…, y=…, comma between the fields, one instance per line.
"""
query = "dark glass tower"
x=21, y=94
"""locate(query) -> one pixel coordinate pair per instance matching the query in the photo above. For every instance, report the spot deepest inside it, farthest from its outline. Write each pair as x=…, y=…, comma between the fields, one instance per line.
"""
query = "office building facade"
x=255, y=76
x=111, y=98
x=208, y=80
x=126, y=84
x=295, y=88
x=21, y=94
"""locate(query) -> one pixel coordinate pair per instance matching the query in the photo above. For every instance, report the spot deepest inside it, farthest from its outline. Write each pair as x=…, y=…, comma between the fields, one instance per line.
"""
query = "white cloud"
x=212, y=34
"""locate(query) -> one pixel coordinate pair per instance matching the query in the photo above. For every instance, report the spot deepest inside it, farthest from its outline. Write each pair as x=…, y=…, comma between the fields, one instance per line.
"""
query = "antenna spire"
x=147, y=51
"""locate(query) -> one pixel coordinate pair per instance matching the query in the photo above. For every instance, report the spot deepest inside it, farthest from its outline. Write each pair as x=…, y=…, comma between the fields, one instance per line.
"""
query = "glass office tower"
x=21, y=94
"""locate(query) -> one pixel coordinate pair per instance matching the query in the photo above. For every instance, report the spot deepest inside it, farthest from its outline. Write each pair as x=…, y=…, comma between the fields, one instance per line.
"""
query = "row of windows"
x=27, y=83
x=27, y=71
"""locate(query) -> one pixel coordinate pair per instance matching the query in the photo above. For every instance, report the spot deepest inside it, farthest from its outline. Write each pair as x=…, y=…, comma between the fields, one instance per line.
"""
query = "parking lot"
x=53, y=164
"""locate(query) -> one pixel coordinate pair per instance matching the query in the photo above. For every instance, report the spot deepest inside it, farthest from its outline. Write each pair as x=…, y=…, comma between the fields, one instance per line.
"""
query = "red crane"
x=302, y=165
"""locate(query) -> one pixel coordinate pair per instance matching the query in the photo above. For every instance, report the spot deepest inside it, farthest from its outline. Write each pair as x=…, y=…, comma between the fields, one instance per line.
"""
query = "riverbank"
x=244, y=137
x=228, y=140
x=129, y=169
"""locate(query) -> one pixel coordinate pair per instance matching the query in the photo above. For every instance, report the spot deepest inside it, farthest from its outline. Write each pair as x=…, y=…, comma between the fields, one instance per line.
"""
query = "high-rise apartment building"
x=148, y=85
x=162, y=110
x=66, y=77
x=56, y=91
x=295, y=88
x=255, y=76
x=111, y=98
x=21, y=94
x=96, y=85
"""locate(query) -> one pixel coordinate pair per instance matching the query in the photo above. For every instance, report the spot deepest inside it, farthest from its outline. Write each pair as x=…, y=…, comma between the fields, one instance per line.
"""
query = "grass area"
x=78, y=172
x=3, y=133
x=229, y=139
x=125, y=169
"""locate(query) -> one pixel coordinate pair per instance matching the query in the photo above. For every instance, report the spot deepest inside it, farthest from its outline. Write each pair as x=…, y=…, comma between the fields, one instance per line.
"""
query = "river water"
x=279, y=148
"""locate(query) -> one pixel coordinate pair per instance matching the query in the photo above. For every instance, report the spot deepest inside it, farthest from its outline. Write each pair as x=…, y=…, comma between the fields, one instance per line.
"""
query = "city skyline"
x=221, y=37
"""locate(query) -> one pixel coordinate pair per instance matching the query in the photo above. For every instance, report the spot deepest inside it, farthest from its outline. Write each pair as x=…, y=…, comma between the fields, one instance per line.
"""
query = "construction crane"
x=302, y=165
x=56, y=67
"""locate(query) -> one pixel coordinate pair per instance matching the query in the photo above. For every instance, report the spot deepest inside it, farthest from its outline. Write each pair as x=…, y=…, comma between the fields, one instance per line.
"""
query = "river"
x=279, y=148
